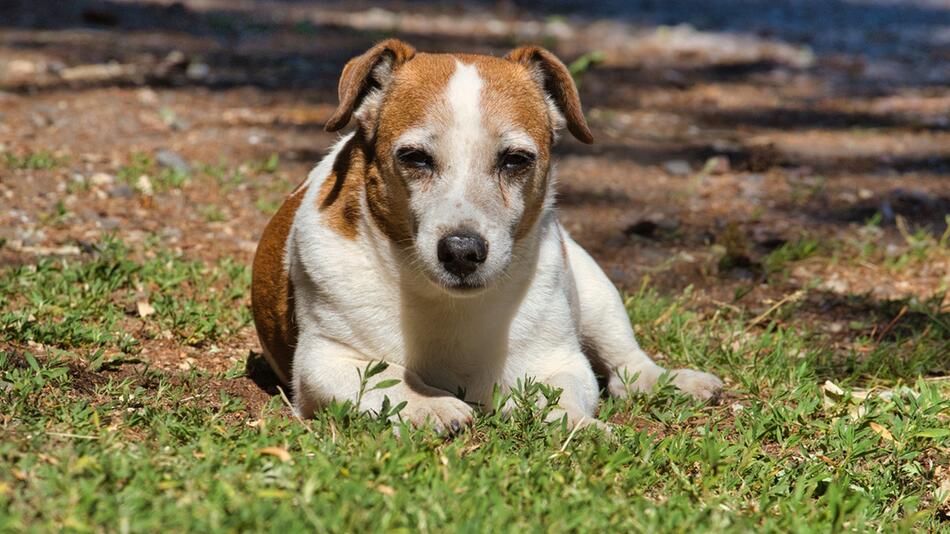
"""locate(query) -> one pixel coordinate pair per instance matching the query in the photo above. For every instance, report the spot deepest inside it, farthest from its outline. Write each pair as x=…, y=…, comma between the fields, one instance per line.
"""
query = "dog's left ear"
x=557, y=83
x=366, y=74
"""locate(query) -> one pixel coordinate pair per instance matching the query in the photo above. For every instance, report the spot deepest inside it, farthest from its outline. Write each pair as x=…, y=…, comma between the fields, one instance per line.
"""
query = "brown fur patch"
x=388, y=202
x=272, y=292
x=416, y=88
x=534, y=192
x=511, y=95
x=563, y=240
x=339, y=198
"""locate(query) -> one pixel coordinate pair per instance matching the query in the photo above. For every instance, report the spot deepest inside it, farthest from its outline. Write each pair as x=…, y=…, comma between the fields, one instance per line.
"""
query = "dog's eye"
x=415, y=159
x=516, y=161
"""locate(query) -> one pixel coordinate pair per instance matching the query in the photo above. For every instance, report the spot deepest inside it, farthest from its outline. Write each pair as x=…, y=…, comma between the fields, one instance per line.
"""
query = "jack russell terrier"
x=428, y=238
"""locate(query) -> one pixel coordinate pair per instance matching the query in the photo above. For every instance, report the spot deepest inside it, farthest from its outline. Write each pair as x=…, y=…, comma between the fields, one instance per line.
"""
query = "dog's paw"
x=703, y=386
x=445, y=414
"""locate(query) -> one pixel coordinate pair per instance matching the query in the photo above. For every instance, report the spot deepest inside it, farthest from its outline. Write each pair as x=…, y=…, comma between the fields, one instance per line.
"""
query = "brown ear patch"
x=272, y=292
x=558, y=83
x=358, y=79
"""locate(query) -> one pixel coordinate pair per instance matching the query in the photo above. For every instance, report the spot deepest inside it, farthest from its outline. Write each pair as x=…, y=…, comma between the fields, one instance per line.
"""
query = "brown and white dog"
x=428, y=238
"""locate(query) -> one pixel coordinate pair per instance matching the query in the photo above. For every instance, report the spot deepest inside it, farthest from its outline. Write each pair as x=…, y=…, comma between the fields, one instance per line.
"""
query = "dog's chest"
x=463, y=345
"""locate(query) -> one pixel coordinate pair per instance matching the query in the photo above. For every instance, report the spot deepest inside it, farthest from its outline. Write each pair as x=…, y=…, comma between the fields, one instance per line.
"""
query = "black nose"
x=462, y=252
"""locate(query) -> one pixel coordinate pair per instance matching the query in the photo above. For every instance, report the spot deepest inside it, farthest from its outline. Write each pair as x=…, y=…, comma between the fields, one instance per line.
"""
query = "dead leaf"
x=278, y=452
x=881, y=431
x=145, y=309
x=385, y=490
x=48, y=459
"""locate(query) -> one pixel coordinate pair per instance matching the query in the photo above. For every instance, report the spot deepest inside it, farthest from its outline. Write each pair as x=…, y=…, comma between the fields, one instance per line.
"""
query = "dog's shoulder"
x=318, y=203
x=272, y=290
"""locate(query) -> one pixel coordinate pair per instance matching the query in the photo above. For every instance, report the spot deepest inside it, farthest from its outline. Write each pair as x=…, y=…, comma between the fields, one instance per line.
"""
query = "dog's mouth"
x=461, y=286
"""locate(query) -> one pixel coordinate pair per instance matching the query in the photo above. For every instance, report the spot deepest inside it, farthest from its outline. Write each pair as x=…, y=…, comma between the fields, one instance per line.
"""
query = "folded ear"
x=365, y=73
x=557, y=83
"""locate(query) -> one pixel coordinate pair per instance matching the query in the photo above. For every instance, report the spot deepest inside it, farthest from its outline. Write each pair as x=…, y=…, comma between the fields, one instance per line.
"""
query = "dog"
x=428, y=238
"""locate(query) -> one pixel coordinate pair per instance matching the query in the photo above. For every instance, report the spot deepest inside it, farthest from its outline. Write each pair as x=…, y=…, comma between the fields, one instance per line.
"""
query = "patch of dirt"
x=88, y=384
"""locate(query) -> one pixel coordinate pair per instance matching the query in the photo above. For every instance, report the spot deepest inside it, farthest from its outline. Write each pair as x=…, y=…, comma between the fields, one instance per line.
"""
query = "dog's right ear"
x=365, y=75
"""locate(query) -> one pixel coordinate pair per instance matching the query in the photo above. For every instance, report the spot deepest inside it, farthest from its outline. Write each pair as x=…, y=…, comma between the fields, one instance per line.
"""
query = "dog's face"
x=460, y=153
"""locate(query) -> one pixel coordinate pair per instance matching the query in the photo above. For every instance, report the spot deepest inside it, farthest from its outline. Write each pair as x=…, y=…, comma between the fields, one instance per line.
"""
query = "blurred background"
x=752, y=151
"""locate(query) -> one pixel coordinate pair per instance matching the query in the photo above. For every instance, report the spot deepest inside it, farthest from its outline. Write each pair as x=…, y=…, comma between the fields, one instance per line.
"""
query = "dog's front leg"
x=605, y=328
x=326, y=371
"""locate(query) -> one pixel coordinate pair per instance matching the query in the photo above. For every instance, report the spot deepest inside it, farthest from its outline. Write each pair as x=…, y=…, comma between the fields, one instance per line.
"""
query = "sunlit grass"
x=126, y=447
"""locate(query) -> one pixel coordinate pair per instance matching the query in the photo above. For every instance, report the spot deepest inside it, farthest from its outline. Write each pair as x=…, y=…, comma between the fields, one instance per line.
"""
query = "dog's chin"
x=459, y=287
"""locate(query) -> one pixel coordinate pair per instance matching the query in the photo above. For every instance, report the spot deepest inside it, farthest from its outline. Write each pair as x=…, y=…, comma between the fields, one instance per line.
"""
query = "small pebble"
x=678, y=167
x=171, y=160
x=101, y=179
x=144, y=185
x=121, y=191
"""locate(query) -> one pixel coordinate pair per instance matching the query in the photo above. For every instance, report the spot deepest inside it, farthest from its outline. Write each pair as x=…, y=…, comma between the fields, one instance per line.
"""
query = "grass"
x=128, y=447
x=161, y=178
x=581, y=65
x=793, y=251
x=83, y=305
x=38, y=160
x=230, y=177
x=212, y=213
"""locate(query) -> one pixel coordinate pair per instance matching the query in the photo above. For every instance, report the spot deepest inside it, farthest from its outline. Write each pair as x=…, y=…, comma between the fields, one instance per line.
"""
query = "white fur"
x=360, y=300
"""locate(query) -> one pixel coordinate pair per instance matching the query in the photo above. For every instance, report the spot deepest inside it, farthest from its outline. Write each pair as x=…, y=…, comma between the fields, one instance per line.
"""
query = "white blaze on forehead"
x=463, y=95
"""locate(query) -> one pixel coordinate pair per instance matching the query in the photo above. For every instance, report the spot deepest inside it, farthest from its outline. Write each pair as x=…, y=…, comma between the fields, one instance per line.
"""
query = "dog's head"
x=458, y=151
